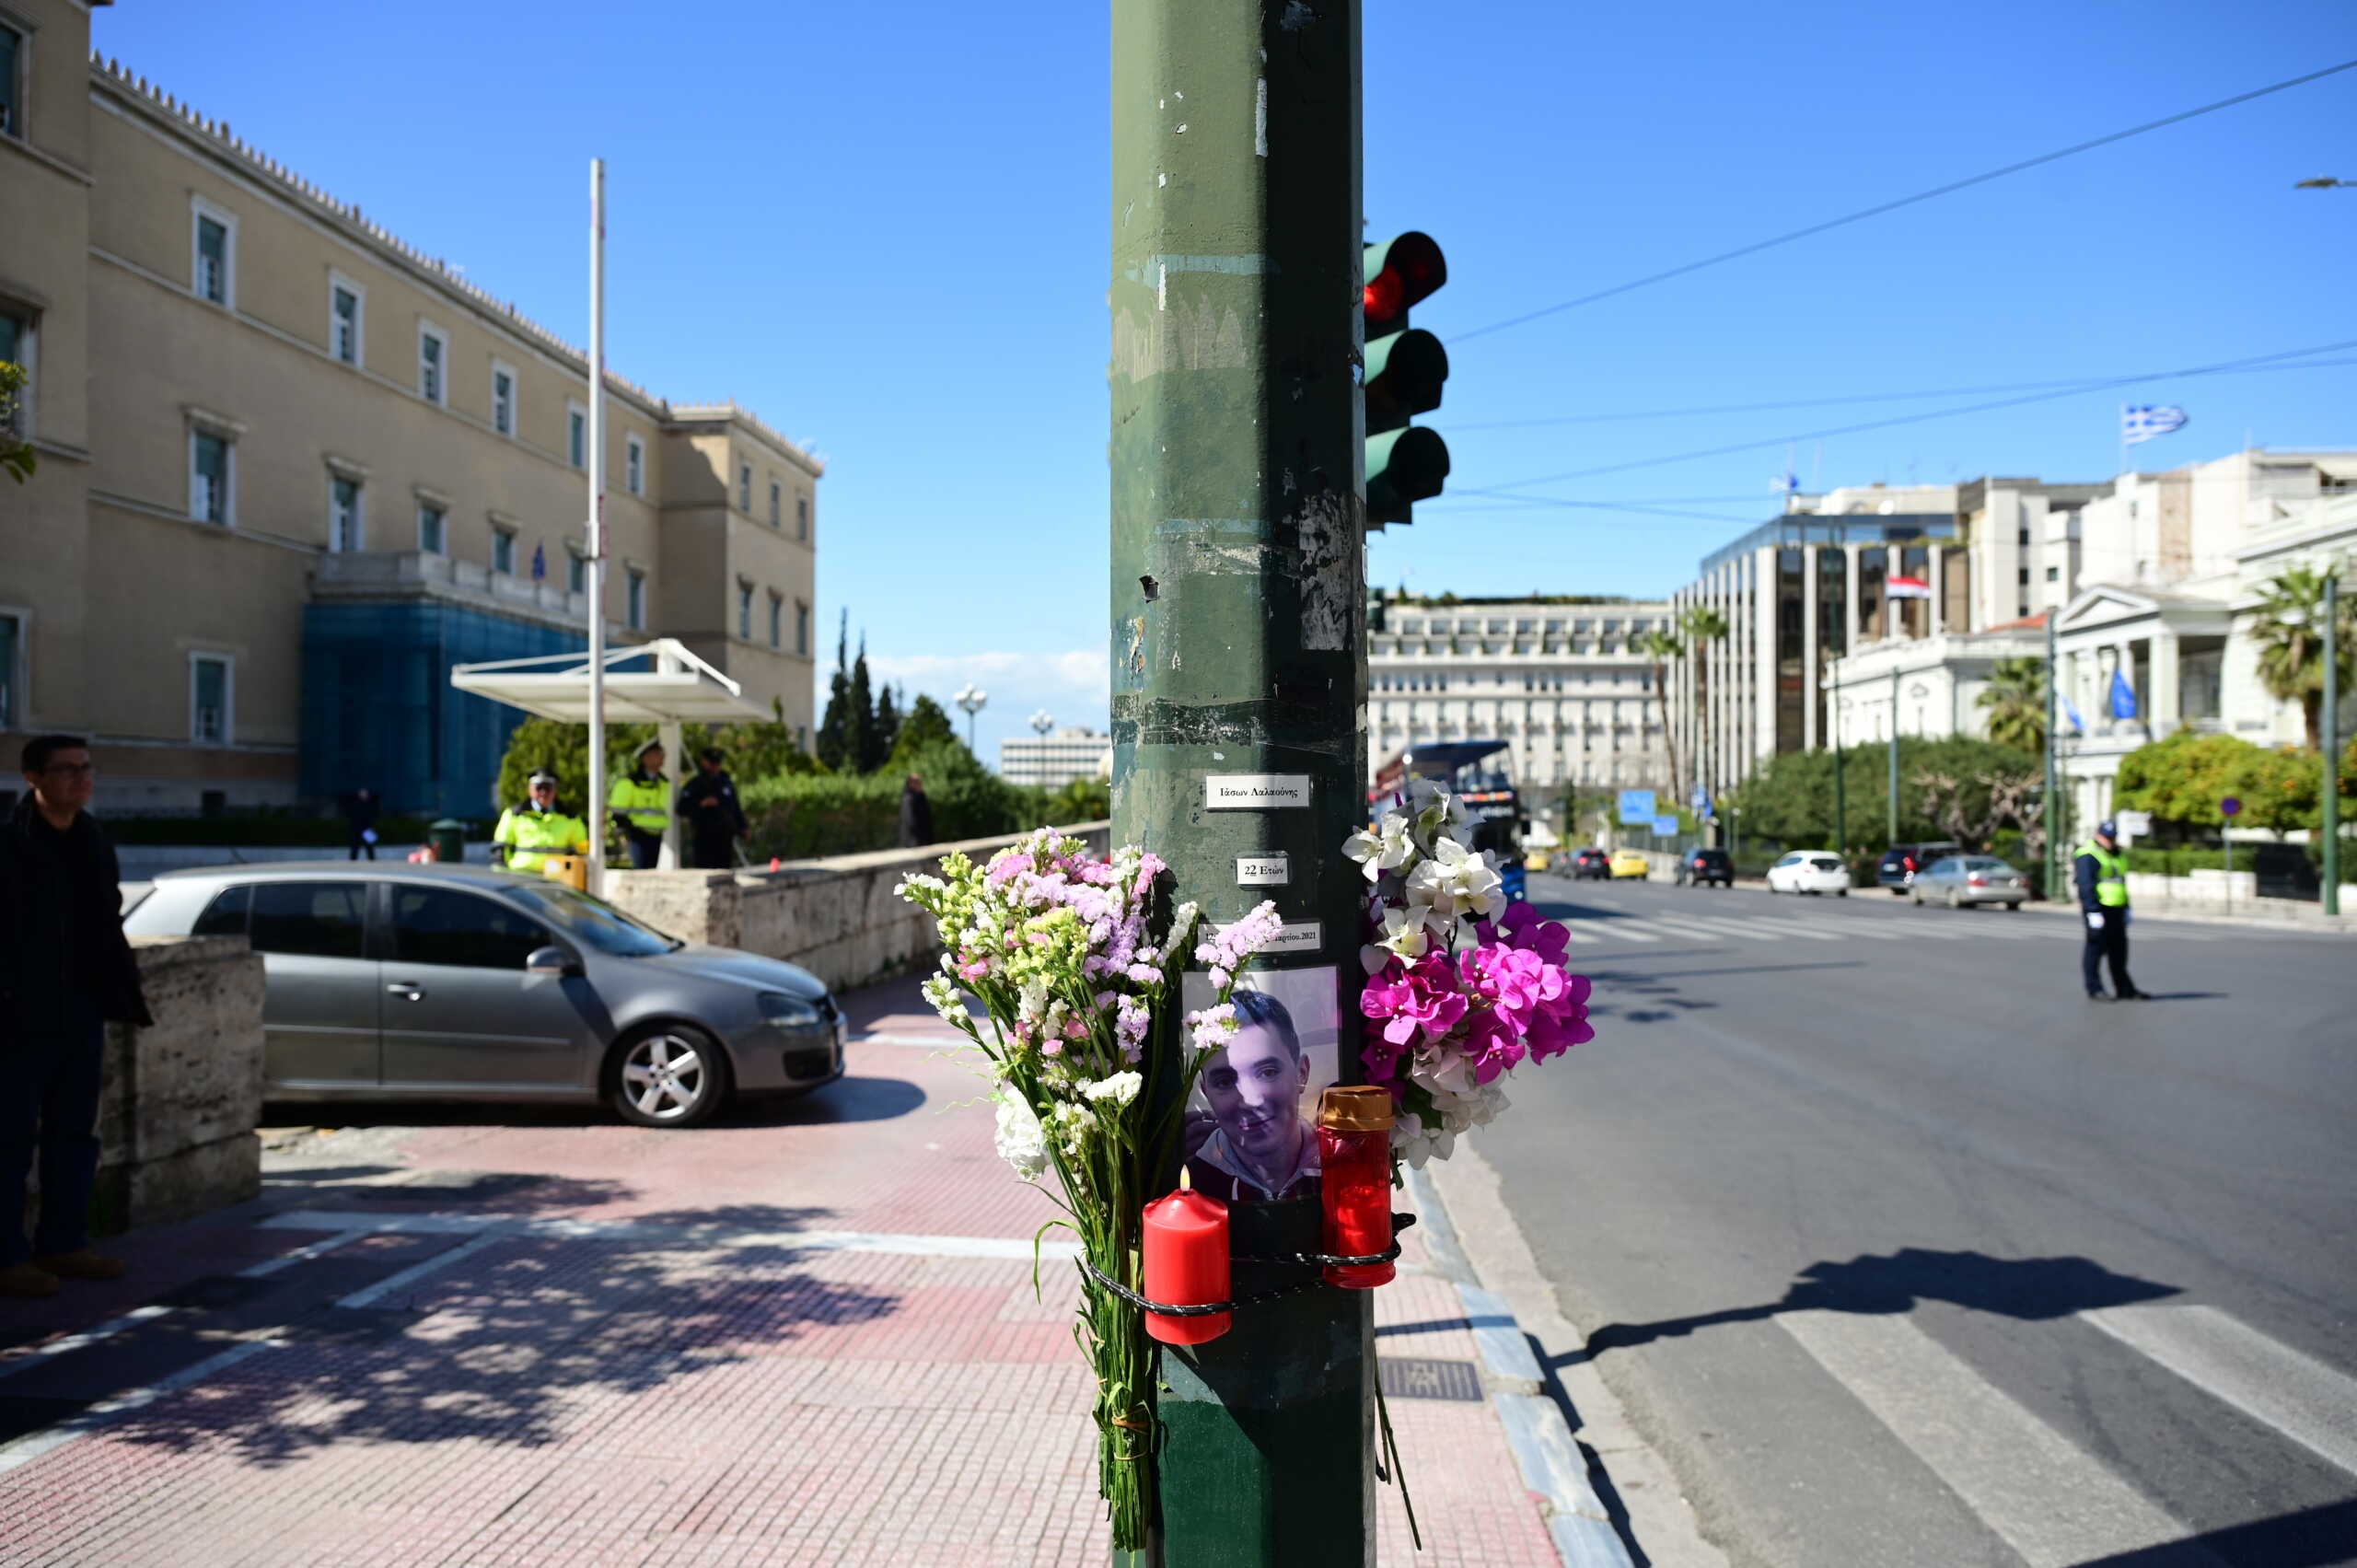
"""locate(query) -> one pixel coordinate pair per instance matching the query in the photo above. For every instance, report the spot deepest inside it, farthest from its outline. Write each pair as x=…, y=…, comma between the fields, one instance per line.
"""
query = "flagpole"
x=593, y=460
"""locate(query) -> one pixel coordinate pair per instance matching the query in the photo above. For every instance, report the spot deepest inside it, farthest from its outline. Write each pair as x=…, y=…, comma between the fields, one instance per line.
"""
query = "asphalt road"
x=1904, y=1253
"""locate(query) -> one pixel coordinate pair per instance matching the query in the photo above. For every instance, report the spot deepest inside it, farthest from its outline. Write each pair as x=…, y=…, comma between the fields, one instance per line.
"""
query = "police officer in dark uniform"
x=2101, y=874
x=709, y=811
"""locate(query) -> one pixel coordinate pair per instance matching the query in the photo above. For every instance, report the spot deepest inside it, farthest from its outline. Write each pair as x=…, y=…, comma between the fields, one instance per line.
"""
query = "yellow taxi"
x=1630, y=862
x=1537, y=860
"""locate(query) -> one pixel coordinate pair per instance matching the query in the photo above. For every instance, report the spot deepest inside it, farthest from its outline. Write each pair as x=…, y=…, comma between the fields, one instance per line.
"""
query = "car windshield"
x=593, y=921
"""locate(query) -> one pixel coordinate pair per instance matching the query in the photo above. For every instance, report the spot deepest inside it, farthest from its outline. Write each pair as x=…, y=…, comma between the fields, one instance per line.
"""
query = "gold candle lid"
x=1355, y=1108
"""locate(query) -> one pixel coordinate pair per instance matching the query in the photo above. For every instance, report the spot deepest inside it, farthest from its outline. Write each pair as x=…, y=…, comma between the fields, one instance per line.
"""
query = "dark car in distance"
x=1699, y=867
x=1591, y=863
x=1902, y=863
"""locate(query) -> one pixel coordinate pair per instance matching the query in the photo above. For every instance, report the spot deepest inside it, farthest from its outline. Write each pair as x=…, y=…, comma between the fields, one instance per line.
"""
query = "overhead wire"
x=1878, y=210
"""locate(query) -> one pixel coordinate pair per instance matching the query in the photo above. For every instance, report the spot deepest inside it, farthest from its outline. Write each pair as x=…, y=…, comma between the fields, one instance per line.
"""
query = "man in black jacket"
x=66, y=969
x=709, y=811
x=916, y=815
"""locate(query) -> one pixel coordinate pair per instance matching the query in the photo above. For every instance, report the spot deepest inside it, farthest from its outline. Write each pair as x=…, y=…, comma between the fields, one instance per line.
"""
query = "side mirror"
x=551, y=962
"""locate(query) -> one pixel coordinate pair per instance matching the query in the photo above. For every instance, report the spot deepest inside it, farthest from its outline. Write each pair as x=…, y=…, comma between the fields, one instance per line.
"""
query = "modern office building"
x=1055, y=760
x=291, y=470
x=1561, y=681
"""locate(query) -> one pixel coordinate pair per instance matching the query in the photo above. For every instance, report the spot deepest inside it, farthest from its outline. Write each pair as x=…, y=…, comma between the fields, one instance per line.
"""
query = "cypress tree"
x=866, y=756
x=834, y=730
x=888, y=723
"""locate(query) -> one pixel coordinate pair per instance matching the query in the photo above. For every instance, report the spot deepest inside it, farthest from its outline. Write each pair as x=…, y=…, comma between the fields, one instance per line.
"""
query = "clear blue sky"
x=883, y=227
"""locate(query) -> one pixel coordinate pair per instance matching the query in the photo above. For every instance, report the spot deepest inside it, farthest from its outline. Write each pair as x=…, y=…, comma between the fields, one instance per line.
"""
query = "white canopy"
x=658, y=682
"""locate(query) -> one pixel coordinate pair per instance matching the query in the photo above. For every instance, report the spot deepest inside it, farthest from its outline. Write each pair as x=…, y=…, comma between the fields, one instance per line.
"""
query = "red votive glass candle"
x=1354, y=1166
x=1186, y=1264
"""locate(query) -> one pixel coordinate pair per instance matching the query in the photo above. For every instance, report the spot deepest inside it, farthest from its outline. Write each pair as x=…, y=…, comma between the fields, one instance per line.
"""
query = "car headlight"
x=789, y=1011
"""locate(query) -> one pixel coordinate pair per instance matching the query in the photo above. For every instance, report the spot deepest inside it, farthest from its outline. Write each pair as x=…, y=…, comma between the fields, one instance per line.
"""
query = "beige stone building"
x=291, y=470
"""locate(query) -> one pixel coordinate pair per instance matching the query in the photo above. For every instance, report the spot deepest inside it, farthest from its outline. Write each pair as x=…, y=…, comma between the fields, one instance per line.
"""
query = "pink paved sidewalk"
x=675, y=1381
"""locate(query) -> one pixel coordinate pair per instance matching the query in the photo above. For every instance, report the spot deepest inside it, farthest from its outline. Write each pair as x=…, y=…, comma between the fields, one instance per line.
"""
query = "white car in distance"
x=1809, y=871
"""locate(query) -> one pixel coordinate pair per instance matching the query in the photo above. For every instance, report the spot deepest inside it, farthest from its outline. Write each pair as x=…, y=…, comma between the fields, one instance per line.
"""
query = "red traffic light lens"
x=1386, y=296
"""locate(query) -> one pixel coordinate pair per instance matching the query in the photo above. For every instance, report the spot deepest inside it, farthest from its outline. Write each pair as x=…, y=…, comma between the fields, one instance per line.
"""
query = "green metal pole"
x=2053, y=806
x=2331, y=743
x=1891, y=811
x=1239, y=664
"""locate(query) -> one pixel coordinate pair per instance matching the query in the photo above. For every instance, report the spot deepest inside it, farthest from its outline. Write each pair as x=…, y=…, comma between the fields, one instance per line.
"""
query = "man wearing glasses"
x=66, y=969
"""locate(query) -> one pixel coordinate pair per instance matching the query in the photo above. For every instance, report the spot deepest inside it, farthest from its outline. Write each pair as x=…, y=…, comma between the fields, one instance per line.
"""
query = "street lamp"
x=973, y=698
x=1041, y=724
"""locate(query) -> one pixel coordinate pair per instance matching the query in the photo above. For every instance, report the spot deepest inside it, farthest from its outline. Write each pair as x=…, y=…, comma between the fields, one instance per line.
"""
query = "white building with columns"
x=1562, y=683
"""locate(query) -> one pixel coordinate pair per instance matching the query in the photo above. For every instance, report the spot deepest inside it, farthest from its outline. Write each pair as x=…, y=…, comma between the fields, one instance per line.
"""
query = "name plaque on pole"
x=1254, y=792
x=1296, y=936
x=1263, y=870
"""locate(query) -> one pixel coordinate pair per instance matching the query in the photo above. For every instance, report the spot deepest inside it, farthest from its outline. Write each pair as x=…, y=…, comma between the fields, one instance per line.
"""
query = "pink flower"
x=1419, y=998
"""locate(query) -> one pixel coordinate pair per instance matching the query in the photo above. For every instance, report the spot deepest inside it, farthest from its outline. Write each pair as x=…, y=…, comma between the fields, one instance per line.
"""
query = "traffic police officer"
x=639, y=804
x=2101, y=872
x=529, y=833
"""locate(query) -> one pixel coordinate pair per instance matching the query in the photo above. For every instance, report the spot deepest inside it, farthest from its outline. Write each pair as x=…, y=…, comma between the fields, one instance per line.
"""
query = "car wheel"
x=1956, y=900
x=2014, y=908
x=1841, y=892
x=670, y=1075
x=1919, y=898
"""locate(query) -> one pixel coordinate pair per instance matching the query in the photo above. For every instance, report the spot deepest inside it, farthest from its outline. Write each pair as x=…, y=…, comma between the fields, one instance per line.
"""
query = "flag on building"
x=2123, y=696
x=2141, y=422
x=539, y=562
x=1909, y=588
x=2071, y=712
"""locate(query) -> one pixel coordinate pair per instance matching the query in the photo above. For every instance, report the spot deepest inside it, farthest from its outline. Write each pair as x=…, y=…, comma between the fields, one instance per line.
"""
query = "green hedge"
x=803, y=816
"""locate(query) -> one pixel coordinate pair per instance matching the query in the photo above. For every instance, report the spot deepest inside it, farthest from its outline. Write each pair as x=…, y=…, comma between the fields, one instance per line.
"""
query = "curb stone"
x=1549, y=1461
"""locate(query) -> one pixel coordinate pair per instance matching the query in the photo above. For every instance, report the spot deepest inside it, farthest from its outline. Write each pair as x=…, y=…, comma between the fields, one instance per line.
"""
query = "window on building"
x=634, y=466
x=2054, y=573
x=503, y=550
x=16, y=348
x=576, y=570
x=802, y=517
x=210, y=456
x=744, y=487
x=635, y=604
x=433, y=356
x=503, y=400
x=802, y=630
x=343, y=514
x=12, y=92
x=777, y=621
x=345, y=322
x=2024, y=577
x=12, y=672
x=2021, y=537
x=431, y=536
x=777, y=504
x=577, y=435
x=745, y=610
x=212, y=244
x=209, y=692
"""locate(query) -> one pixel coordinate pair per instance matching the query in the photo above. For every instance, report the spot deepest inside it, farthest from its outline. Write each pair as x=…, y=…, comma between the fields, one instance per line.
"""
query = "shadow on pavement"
x=507, y=1192
x=513, y=1341
x=2311, y=1537
x=849, y=1099
x=2027, y=1288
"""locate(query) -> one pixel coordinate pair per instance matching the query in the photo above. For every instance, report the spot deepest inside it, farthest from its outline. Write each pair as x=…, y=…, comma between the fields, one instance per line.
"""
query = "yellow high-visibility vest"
x=645, y=806
x=2111, y=875
x=532, y=835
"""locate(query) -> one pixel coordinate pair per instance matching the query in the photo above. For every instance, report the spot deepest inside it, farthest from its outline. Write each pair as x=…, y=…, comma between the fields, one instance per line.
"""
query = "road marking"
x=1754, y=930
x=1620, y=927
x=2050, y=1501
x=945, y=1041
x=1571, y=932
x=1787, y=927
x=1719, y=930
x=1862, y=928
x=2269, y=1381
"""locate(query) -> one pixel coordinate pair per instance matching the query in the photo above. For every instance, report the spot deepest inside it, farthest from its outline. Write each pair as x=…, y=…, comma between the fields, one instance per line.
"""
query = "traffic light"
x=1405, y=369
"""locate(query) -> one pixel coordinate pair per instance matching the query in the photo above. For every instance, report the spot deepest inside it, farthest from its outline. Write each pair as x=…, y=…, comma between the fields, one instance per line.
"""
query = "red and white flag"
x=1909, y=588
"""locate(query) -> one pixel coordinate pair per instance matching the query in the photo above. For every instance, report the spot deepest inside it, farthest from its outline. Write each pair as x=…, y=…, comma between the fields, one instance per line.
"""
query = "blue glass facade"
x=378, y=708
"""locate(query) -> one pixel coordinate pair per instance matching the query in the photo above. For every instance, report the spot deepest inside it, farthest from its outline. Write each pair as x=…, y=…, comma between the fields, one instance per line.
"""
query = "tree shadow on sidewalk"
x=522, y=1344
x=2028, y=1288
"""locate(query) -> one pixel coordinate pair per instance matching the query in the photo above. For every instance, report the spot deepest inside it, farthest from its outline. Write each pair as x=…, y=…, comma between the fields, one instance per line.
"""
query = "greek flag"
x=2141, y=422
x=2071, y=713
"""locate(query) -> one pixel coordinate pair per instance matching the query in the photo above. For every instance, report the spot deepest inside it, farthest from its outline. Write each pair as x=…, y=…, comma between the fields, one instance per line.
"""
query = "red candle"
x=1354, y=1173
x=1186, y=1264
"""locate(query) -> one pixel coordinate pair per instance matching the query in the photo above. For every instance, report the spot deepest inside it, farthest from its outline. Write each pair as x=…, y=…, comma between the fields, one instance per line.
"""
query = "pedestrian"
x=715, y=821
x=2101, y=872
x=66, y=969
x=360, y=815
x=638, y=802
x=530, y=833
x=916, y=814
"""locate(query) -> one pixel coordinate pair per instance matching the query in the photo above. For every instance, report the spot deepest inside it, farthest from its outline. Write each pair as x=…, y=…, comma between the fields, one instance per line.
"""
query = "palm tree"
x=2015, y=702
x=1659, y=647
x=2290, y=631
x=1703, y=626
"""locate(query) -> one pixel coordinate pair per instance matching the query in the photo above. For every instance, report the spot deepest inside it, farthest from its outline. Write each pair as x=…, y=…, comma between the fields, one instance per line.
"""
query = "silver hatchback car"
x=1956, y=880
x=451, y=983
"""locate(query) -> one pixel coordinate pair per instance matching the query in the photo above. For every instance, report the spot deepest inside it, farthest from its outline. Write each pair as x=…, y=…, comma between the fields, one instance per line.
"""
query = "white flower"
x=1417, y=1142
x=1033, y=1002
x=1121, y=1088
x=1445, y=1071
x=1455, y=883
x=1020, y=1140
x=1402, y=936
x=1386, y=846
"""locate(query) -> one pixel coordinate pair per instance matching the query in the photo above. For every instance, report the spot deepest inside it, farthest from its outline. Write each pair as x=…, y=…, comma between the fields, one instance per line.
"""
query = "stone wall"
x=835, y=917
x=176, y=1124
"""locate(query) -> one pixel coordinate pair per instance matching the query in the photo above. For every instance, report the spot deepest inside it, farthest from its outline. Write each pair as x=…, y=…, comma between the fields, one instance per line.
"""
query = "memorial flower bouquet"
x=1074, y=961
x=1462, y=986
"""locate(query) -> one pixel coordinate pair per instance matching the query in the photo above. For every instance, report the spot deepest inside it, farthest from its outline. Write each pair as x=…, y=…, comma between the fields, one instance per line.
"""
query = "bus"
x=1475, y=772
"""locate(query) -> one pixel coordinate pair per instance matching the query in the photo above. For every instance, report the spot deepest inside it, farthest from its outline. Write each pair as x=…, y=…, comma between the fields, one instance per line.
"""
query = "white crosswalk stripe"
x=1717, y=929
x=2299, y=1396
x=1604, y=928
x=2053, y=1504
